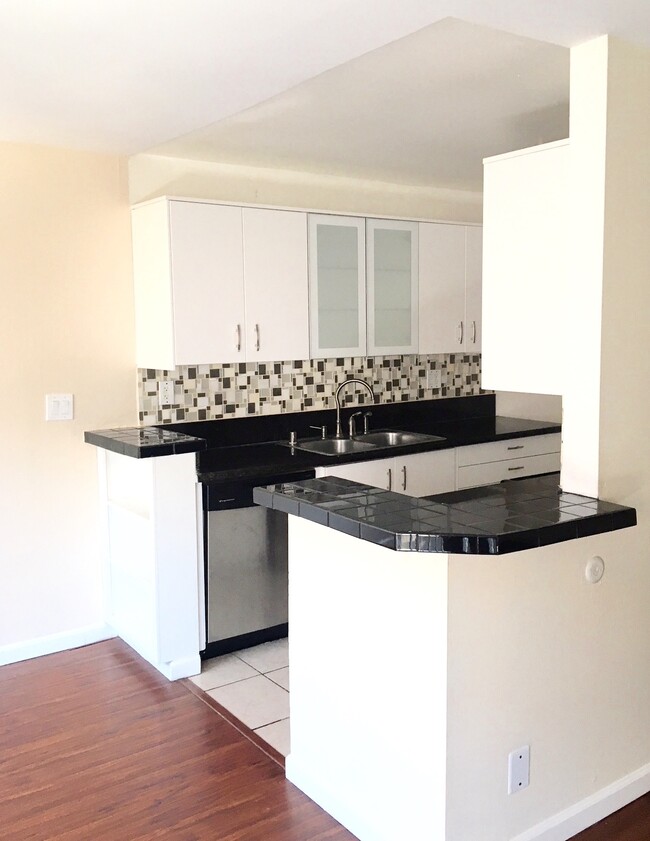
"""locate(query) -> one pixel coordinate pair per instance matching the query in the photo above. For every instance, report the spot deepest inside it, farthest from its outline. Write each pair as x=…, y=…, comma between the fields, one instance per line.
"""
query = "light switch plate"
x=59, y=407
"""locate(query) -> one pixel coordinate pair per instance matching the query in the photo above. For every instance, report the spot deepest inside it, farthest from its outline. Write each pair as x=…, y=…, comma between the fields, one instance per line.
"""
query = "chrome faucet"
x=339, y=431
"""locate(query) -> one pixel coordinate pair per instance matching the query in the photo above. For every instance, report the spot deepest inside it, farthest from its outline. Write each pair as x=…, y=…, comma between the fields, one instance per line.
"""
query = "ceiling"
x=386, y=89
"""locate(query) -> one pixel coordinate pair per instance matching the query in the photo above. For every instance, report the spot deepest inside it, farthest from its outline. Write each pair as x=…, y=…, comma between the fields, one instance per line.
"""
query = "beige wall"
x=151, y=176
x=67, y=326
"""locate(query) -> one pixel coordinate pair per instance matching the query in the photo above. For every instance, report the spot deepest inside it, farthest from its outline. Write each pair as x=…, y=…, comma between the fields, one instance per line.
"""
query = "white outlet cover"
x=434, y=378
x=518, y=769
x=166, y=393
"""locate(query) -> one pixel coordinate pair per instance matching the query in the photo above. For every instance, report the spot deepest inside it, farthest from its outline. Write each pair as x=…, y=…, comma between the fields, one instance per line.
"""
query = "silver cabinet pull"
x=518, y=447
x=238, y=342
x=390, y=479
x=521, y=467
x=257, y=337
x=404, y=478
x=473, y=332
x=460, y=332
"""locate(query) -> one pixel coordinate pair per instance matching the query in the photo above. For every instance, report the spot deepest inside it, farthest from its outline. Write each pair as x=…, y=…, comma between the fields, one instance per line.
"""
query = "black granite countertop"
x=493, y=520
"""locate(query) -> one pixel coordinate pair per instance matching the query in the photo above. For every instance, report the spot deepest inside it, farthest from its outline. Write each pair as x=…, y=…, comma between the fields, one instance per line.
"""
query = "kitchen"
x=625, y=376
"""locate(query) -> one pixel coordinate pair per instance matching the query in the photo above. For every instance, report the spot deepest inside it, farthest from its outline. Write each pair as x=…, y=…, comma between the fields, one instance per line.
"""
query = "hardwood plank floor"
x=95, y=745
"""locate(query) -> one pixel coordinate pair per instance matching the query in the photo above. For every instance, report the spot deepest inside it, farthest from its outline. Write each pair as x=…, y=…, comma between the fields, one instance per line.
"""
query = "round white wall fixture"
x=595, y=569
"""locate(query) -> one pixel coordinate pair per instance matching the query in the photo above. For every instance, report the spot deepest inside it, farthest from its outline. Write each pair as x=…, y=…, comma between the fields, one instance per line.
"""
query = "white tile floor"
x=253, y=685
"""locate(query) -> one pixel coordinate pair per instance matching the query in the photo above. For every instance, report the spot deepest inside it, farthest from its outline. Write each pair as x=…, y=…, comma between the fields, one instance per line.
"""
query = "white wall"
x=515, y=404
x=152, y=175
x=538, y=656
x=67, y=326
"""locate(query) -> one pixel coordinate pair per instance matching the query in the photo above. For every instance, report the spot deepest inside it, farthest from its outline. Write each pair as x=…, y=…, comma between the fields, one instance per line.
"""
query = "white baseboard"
x=182, y=667
x=40, y=646
x=585, y=813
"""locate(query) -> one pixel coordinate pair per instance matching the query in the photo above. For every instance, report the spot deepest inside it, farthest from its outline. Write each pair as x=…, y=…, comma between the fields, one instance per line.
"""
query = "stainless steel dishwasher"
x=246, y=566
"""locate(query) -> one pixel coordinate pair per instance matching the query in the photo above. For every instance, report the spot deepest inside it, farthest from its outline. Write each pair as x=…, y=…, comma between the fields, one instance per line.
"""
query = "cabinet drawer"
x=512, y=448
x=473, y=475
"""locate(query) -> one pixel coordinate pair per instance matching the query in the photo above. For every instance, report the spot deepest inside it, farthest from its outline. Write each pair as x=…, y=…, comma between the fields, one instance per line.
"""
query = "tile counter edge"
x=491, y=520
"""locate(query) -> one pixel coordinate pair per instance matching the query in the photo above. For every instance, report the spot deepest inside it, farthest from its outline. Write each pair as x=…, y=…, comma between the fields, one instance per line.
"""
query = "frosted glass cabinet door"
x=392, y=286
x=337, y=312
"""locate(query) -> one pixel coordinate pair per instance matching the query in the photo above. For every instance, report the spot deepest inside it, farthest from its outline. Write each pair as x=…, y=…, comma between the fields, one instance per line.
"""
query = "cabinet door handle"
x=473, y=332
x=521, y=467
x=238, y=341
x=390, y=479
x=257, y=337
x=404, y=478
x=517, y=447
x=460, y=332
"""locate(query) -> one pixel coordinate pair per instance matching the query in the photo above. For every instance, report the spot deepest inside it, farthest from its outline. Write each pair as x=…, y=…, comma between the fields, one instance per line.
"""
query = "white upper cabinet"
x=392, y=286
x=527, y=226
x=363, y=286
x=473, y=288
x=189, y=287
x=276, y=285
x=450, y=288
x=216, y=283
x=337, y=295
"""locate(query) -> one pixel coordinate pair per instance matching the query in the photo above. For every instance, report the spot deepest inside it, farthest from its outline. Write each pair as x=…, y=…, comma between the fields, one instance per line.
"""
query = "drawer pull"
x=521, y=467
x=518, y=447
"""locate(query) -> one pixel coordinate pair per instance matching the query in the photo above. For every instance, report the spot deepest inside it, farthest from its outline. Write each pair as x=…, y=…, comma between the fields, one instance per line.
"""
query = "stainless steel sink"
x=394, y=438
x=335, y=446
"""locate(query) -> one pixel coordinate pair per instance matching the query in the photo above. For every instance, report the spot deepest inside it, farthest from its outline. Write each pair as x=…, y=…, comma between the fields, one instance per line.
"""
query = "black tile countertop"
x=258, y=447
x=145, y=441
x=266, y=459
x=493, y=520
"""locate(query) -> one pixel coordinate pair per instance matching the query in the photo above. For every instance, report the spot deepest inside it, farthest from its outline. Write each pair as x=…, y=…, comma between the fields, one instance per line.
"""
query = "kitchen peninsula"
x=404, y=612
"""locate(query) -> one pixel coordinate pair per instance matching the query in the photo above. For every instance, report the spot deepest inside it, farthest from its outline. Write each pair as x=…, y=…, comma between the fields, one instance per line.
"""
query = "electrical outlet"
x=434, y=378
x=165, y=393
x=518, y=769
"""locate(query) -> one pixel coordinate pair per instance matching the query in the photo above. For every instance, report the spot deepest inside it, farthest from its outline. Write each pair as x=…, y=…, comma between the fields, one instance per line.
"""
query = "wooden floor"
x=95, y=745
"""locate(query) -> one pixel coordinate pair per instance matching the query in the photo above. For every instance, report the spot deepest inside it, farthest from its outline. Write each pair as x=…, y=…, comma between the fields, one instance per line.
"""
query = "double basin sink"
x=383, y=439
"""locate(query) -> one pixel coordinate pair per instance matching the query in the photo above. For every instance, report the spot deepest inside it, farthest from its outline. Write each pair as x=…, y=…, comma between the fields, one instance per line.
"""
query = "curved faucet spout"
x=351, y=381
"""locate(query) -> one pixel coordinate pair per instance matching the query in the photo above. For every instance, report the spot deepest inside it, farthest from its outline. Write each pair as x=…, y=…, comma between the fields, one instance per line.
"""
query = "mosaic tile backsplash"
x=242, y=389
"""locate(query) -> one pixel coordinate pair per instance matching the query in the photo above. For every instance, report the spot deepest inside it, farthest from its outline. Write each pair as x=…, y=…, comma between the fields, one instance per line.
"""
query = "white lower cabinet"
x=421, y=474
x=443, y=471
x=487, y=464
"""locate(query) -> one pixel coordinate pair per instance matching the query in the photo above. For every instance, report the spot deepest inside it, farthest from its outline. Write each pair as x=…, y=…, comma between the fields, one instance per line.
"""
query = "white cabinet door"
x=527, y=229
x=379, y=473
x=442, y=288
x=189, y=283
x=450, y=288
x=424, y=474
x=208, y=283
x=337, y=293
x=421, y=474
x=276, y=284
x=392, y=286
x=473, y=288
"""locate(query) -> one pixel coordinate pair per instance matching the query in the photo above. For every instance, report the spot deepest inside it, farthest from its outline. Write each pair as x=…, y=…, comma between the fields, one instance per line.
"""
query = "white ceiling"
x=124, y=76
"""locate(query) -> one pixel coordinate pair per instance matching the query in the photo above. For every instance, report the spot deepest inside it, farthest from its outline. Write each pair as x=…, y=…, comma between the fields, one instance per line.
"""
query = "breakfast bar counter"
x=406, y=613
